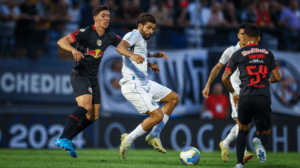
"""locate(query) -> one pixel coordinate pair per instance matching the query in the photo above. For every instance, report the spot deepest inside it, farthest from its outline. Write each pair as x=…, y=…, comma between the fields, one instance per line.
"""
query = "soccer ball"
x=190, y=156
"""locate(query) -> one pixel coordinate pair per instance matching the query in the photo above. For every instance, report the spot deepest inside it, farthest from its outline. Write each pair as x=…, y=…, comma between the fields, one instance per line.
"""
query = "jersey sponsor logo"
x=90, y=90
x=95, y=53
x=82, y=30
x=99, y=42
x=256, y=61
x=257, y=56
x=254, y=50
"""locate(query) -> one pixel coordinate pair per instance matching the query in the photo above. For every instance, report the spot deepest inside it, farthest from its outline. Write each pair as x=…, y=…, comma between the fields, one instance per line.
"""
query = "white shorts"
x=234, y=112
x=144, y=97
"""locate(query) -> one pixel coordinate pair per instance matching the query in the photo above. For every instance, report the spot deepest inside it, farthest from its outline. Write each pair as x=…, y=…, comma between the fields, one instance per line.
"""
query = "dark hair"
x=244, y=25
x=252, y=31
x=99, y=8
x=146, y=17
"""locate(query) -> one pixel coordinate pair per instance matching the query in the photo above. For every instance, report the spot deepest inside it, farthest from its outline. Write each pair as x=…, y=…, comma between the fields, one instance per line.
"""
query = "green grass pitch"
x=135, y=159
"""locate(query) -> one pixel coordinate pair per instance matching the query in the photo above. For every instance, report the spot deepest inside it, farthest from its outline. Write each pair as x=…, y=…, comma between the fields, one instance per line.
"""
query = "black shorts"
x=81, y=85
x=258, y=107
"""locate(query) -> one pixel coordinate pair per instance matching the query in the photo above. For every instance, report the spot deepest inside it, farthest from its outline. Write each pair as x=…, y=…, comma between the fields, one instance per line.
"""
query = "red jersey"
x=217, y=105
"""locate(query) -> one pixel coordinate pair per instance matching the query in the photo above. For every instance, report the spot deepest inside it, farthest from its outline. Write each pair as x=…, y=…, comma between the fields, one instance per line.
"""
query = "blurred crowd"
x=31, y=28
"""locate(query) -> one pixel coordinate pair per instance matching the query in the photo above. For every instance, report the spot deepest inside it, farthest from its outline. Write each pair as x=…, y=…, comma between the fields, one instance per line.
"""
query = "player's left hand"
x=236, y=100
x=161, y=54
x=154, y=67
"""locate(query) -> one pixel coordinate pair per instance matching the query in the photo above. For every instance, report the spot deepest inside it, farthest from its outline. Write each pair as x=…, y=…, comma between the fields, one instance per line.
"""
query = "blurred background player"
x=255, y=64
x=93, y=41
x=224, y=145
x=142, y=93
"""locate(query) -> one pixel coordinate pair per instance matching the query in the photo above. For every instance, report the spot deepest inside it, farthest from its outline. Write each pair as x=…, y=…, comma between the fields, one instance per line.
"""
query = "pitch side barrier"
x=185, y=72
x=40, y=131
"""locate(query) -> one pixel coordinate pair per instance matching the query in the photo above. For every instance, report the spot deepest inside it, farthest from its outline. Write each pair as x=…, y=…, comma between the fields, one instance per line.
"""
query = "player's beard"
x=144, y=35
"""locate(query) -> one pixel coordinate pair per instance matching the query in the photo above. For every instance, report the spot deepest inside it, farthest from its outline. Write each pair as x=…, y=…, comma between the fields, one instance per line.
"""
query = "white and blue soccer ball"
x=190, y=156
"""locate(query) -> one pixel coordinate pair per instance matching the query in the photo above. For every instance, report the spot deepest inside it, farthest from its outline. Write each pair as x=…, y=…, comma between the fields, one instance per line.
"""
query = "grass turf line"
x=139, y=158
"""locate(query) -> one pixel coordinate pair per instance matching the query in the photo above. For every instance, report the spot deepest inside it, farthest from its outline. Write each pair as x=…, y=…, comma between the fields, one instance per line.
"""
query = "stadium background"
x=36, y=96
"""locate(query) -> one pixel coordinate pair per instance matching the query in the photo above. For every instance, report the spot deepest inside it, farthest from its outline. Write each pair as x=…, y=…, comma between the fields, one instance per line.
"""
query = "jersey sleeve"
x=79, y=35
x=132, y=38
x=116, y=39
x=225, y=56
x=232, y=63
x=273, y=62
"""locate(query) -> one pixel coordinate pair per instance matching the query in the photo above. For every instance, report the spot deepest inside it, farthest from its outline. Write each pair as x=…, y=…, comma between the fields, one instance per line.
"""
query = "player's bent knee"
x=87, y=106
x=157, y=115
x=176, y=97
x=243, y=127
x=268, y=132
x=92, y=117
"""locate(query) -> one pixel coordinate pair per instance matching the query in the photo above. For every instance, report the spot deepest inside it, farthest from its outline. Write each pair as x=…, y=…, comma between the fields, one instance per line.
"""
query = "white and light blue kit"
x=141, y=92
x=234, y=79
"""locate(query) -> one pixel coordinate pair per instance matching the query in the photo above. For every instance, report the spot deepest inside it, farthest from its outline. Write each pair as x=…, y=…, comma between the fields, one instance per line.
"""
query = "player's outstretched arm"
x=154, y=67
x=158, y=55
x=228, y=85
x=65, y=43
x=122, y=48
x=276, y=76
x=213, y=74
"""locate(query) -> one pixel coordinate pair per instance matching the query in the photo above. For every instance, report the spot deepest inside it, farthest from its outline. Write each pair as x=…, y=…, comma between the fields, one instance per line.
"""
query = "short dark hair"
x=99, y=8
x=252, y=31
x=244, y=25
x=146, y=17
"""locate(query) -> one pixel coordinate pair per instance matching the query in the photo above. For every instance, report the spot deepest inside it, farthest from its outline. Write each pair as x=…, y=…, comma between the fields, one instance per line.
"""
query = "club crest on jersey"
x=95, y=53
x=99, y=42
x=90, y=90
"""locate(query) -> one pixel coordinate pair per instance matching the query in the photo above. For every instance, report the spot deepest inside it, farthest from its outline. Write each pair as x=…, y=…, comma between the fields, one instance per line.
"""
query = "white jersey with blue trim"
x=235, y=77
x=132, y=71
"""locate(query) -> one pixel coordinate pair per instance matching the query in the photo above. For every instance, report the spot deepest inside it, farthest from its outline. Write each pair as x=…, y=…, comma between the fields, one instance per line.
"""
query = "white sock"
x=157, y=128
x=231, y=136
x=137, y=132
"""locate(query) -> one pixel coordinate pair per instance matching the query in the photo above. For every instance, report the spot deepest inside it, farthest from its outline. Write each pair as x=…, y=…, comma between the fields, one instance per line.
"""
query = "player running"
x=255, y=64
x=224, y=145
x=93, y=41
x=142, y=93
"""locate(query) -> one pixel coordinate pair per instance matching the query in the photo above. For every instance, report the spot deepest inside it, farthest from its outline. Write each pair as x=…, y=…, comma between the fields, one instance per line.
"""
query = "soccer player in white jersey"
x=142, y=93
x=224, y=145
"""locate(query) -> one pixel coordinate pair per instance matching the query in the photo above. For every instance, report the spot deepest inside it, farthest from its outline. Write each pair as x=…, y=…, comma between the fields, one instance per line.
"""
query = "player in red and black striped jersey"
x=255, y=63
x=93, y=41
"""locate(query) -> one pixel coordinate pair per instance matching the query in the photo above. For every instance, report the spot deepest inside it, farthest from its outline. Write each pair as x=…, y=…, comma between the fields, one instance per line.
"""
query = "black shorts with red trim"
x=257, y=107
x=82, y=85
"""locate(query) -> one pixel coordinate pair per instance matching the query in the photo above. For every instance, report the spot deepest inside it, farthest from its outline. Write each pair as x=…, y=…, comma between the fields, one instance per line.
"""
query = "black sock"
x=73, y=121
x=83, y=124
x=241, y=145
x=264, y=138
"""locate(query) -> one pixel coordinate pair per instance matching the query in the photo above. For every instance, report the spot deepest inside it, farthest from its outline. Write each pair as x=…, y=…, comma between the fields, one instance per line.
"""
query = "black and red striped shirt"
x=255, y=63
x=92, y=47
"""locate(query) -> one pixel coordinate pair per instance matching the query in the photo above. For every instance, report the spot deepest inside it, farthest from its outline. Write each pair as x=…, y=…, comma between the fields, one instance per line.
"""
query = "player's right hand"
x=236, y=100
x=77, y=55
x=138, y=58
x=205, y=92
